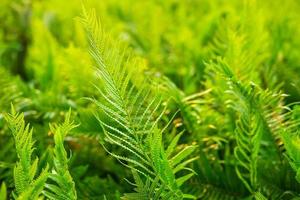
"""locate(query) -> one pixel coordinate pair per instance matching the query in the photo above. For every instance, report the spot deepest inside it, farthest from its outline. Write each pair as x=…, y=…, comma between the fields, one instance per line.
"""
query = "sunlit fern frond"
x=28, y=184
x=131, y=111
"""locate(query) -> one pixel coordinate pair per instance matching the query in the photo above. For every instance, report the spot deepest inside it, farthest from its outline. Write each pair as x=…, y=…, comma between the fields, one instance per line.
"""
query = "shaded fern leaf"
x=292, y=144
x=259, y=112
x=210, y=192
x=11, y=91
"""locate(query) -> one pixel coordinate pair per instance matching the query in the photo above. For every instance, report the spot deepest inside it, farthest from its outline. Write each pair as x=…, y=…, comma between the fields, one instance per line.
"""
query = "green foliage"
x=3, y=192
x=170, y=99
x=291, y=142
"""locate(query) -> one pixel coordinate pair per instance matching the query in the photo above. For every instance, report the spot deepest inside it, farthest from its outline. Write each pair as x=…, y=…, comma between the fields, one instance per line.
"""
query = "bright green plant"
x=170, y=99
x=27, y=185
x=132, y=109
x=64, y=187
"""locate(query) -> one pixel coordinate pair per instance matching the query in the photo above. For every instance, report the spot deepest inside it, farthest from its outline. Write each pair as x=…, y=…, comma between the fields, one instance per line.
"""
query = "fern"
x=28, y=183
x=129, y=115
x=158, y=121
x=148, y=190
x=189, y=105
x=63, y=186
x=258, y=115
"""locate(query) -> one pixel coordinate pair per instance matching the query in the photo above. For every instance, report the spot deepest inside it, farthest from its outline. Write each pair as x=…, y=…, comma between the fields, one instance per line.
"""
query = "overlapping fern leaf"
x=129, y=114
x=189, y=105
x=260, y=112
x=62, y=185
x=150, y=189
x=28, y=183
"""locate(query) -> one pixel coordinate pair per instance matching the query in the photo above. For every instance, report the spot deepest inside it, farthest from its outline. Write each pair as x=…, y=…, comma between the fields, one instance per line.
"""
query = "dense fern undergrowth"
x=140, y=100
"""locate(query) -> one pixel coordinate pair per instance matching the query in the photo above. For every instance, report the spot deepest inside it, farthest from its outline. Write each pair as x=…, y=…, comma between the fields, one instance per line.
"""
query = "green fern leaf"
x=63, y=187
x=25, y=170
x=130, y=112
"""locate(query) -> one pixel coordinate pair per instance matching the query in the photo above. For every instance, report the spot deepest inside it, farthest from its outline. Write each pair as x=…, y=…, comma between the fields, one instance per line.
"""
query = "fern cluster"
x=157, y=100
x=29, y=183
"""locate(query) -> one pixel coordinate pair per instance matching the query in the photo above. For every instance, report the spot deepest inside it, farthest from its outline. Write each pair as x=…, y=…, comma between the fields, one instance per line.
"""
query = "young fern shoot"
x=28, y=183
x=63, y=187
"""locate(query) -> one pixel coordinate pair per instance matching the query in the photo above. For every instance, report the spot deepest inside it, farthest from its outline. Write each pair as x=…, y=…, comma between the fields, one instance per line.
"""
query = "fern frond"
x=150, y=189
x=130, y=112
x=27, y=186
x=63, y=187
x=249, y=128
x=258, y=114
x=189, y=105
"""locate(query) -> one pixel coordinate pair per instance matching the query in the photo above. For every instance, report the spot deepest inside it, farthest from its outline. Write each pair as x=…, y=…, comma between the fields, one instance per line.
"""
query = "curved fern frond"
x=130, y=113
x=260, y=112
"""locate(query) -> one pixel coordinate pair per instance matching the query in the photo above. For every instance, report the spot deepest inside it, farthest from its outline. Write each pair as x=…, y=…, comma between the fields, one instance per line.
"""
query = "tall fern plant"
x=129, y=113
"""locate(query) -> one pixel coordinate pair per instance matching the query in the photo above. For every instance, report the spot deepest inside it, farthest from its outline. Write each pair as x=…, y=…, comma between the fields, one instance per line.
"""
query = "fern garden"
x=149, y=100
